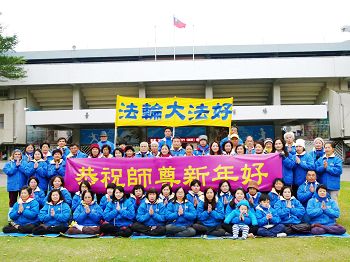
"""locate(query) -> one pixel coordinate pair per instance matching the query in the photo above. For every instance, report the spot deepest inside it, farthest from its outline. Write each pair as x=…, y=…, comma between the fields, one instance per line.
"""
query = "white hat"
x=234, y=136
x=319, y=138
x=300, y=142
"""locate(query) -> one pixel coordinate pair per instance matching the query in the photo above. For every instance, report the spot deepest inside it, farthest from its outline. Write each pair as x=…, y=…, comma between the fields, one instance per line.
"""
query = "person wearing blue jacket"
x=195, y=195
x=318, y=150
x=233, y=133
x=57, y=182
x=176, y=148
x=203, y=148
x=38, y=167
x=28, y=153
x=37, y=193
x=290, y=146
x=24, y=214
x=16, y=178
x=276, y=191
x=137, y=197
x=104, y=141
x=45, y=150
x=224, y=193
x=84, y=185
x=268, y=219
x=166, y=194
x=241, y=218
x=303, y=163
x=167, y=140
x=119, y=215
x=329, y=168
x=323, y=213
x=144, y=151
x=288, y=161
x=108, y=196
x=57, y=166
x=180, y=214
x=54, y=216
x=291, y=211
x=150, y=218
x=307, y=190
x=210, y=215
x=75, y=152
x=62, y=146
x=87, y=216
x=253, y=194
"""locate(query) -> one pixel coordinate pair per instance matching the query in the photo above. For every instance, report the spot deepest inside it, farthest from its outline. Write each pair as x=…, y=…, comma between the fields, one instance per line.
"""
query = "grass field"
x=260, y=249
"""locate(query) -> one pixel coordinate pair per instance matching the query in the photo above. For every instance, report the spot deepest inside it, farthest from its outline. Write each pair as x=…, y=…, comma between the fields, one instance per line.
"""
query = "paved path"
x=344, y=177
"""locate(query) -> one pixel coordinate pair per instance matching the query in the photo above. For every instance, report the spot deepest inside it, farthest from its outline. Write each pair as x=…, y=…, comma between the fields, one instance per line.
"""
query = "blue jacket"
x=49, y=157
x=158, y=217
x=191, y=196
x=179, y=152
x=165, y=140
x=186, y=219
x=121, y=218
x=132, y=199
x=16, y=177
x=202, y=151
x=40, y=172
x=300, y=170
x=66, y=194
x=101, y=144
x=39, y=196
x=256, y=199
x=61, y=217
x=316, y=154
x=25, y=157
x=78, y=155
x=212, y=219
x=66, y=152
x=261, y=212
x=104, y=202
x=274, y=197
x=293, y=149
x=288, y=164
x=29, y=215
x=146, y=155
x=77, y=199
x=330, y=177
x=53, y=171
x=223, y=195
x=325, y=217
x=229, y=209
x=240, y=142
x=91, y=219
x=304, y=194
x=290, y=215
x=249, y=218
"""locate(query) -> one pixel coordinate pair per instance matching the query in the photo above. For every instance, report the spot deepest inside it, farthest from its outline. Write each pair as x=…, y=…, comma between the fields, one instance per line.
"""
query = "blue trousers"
x=271, y=232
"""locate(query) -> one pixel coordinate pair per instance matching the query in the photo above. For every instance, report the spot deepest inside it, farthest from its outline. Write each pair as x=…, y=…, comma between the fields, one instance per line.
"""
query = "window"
x=1, y=121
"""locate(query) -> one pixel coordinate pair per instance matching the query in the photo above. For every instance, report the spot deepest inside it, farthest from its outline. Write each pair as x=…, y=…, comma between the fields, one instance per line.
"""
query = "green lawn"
x=261, y=249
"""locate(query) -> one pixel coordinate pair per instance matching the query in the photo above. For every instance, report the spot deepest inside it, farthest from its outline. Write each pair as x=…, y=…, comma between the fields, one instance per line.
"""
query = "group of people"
x=304, y=200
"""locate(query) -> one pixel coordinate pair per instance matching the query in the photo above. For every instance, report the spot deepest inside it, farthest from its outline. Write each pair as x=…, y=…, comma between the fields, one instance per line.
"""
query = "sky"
x=86, y=24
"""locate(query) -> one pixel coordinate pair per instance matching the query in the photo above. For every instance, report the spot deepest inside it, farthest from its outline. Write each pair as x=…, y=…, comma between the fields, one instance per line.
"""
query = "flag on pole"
x=178, y=23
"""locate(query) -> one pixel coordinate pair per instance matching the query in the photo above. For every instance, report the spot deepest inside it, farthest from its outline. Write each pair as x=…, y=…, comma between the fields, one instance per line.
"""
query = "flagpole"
x=193, y=42
x=155, y=43
x=174, y=38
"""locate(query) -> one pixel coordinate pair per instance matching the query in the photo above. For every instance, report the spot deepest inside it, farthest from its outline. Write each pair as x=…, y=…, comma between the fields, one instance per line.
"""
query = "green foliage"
x=10, y=65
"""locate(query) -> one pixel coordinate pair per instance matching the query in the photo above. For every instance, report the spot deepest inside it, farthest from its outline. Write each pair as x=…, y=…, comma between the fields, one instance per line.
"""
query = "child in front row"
x=241, y=218
x=268, y=219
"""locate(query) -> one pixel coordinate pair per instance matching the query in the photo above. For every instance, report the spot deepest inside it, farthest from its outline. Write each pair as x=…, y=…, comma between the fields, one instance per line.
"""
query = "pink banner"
x=177, y=171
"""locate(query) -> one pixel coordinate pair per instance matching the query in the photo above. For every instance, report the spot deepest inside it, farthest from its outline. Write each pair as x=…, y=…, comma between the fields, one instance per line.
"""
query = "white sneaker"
x=281, y=235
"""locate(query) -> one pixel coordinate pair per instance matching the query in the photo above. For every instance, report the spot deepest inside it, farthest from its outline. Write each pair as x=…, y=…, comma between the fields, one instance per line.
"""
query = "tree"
x=10, y=65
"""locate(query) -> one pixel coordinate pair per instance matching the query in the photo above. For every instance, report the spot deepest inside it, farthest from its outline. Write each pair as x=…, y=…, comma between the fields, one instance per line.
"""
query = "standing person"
x=165, y=151
x=62, y=145
x=54, y=216
x=323, y=213
x=176, y=149
x=203, y=148
x=104, y=141
x=318, y=150
x=16, y=178
x=95, y=151
x=167, y=140
x=28, y=153
x=290, y=145
x=150, y=218
x=38, y=167
x=215, y=149
x=210, y=214
x=57, y=166
x=144, y=151
x=45, y=149
x=288, y=161
x=180, y=214
x=259, y=148
x=241, y=218
x=24, y=214
x=303, y=163
x=87, y=216
x=189, y=150
x=330, y=168
x=129, y=152
x=240, y=150
x=233, y=131
x=118, y=152
x=268, y=142
x=154, y=148
x=75, y=152
x=249, y=145
x=119, y=215
x=227, y=149
x=106, y=152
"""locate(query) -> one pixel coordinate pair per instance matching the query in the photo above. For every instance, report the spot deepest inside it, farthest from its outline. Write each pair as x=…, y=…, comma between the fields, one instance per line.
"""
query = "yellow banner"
x=173, y=111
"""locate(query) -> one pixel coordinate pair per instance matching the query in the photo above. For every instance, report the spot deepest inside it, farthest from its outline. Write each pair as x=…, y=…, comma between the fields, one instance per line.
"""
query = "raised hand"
x=325, y=164
x=312, y=188
x=118, y=206
x=36, y=165
x=297, y=159
x=52, y=212
x=210, y=208
x=195, y=202
x=151, y=211
x=87, y=209
x=180, y=211
x=20, y=208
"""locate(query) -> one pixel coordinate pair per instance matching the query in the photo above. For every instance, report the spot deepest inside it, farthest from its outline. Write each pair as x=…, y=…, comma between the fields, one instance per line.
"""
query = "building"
x=276, y=88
